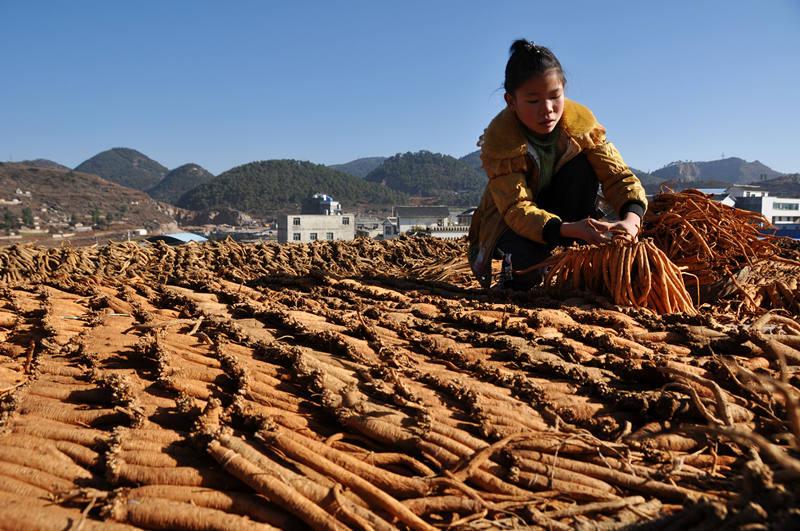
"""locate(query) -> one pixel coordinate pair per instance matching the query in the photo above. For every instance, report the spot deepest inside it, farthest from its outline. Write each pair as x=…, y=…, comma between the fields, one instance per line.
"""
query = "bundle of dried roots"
x=632, y=273
x=708, y=240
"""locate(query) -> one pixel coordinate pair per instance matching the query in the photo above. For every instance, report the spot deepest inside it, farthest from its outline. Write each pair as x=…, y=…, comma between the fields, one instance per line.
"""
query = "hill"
x=43, y=163
x=359, y=167
x=125, y=166
x=783, y=186
x=179, y=181
x=731, y=170
x=267, y=188
x=63, y=196
x=428, y=174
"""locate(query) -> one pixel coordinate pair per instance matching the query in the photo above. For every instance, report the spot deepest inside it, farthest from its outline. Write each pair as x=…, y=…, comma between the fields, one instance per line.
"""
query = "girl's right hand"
x=589, y=230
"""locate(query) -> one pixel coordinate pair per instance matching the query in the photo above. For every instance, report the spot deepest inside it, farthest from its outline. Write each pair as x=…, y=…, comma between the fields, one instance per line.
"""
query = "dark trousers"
x=572, y=196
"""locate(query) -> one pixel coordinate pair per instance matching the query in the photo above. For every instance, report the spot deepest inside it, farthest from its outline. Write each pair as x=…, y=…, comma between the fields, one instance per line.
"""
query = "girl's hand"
x=631, y=225
x=589, y=230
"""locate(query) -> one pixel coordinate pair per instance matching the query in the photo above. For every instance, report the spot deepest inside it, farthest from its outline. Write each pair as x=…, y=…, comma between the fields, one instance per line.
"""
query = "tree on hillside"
x=27, y=217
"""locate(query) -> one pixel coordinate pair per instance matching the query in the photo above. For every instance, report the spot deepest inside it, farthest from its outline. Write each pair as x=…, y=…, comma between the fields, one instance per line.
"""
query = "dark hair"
x=528, y=60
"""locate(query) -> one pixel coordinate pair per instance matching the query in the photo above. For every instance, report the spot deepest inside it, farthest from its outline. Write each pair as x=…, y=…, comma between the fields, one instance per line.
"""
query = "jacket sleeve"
x=621, y=188
x=514, y=201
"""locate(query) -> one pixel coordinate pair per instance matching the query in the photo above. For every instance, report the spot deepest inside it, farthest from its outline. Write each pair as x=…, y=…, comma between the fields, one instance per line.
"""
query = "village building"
x=321, y=218
x=296, y=228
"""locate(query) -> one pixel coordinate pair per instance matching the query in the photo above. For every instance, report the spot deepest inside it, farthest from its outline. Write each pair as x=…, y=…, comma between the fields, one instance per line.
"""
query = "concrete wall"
x=452, y=232
x=406, y=224
x=303, y=228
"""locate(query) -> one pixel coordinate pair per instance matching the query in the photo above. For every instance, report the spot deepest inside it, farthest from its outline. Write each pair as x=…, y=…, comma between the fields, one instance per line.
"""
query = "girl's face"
x=539, y=102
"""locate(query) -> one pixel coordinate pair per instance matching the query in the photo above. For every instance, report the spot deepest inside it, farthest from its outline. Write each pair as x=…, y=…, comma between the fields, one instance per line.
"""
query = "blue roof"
x=178, y=237
x=712, y=191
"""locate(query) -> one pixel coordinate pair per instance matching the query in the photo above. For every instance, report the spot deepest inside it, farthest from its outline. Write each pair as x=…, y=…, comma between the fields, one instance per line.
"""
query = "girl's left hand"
x=631, y=225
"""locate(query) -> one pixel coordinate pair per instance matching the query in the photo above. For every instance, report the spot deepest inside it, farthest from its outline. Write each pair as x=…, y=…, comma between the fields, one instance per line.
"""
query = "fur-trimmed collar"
x=504, y=145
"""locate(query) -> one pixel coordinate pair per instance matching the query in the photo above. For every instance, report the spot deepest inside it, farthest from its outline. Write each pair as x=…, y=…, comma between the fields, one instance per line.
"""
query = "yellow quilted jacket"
x=509, y=199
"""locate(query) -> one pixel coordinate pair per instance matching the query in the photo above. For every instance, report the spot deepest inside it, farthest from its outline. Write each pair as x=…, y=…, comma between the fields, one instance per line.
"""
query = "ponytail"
x=527, y=60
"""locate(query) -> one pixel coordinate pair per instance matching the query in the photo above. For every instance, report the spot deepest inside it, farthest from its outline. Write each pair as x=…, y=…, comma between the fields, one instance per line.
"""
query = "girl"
x=545, y=156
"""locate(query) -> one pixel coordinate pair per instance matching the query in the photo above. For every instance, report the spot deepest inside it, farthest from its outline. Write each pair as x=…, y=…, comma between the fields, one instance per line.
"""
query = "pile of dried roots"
x=204, y=401
x=708, y=240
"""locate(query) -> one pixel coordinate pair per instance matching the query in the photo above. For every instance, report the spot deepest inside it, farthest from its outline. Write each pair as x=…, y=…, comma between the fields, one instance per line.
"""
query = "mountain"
x=359, y=167
x=61, y=196
x=731, y=170
x=179, y=181
x=473, y=159
x=428, y=174
x=43, y=163
x=125, y=166
x=271, y=187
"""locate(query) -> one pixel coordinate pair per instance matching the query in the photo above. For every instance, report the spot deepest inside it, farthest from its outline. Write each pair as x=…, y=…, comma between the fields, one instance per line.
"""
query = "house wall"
x=408, y=223
x=315, y=227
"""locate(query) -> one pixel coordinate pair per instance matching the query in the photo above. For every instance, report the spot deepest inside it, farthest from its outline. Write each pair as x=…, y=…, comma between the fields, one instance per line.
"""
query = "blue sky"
x=223, y=84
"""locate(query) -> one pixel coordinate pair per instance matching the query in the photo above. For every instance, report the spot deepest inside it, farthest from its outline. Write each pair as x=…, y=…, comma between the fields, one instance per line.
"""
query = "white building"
x=777, y=210
x=321, y=204
x=313, y=227
x=390, y=229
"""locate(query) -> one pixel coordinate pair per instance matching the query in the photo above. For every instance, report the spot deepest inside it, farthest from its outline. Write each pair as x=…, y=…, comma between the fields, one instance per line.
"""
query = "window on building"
x=328, y=235
x=345, y=220
x=786, y=206
x=312, y=236
x=296, y=222
x=296, y=236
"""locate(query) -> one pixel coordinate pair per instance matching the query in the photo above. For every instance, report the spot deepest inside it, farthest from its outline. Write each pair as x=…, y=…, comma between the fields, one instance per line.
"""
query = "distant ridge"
x=125, y=166
x=731, y=170
x=359, y=167
x=43, y=163
x=179, y=181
